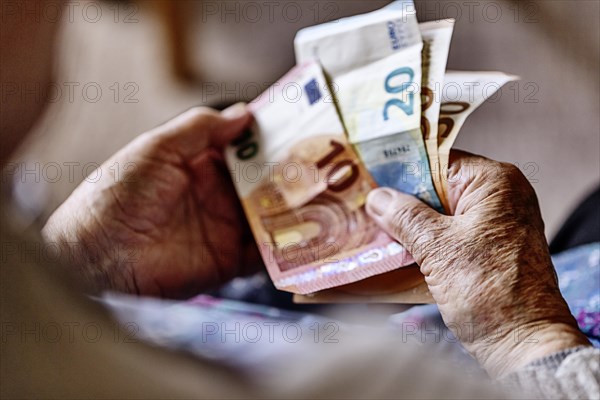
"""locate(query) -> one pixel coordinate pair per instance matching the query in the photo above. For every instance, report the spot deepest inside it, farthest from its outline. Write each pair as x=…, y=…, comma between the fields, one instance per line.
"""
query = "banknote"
x=405, y=285
x=463, y=93
x=437, y=36
x=303, y=189
x=368, y=105
x=373, y=62
x=349, y=43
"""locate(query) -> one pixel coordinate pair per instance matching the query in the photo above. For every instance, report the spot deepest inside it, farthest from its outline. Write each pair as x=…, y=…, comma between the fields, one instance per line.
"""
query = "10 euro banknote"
x=303, y=188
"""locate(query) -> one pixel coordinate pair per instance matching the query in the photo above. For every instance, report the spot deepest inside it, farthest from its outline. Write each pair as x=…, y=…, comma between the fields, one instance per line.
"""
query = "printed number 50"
x=408, y=108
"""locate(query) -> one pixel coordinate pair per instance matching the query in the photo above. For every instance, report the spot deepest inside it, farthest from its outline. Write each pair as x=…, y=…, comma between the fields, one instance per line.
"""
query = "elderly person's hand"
x=164, y=218
x=487, y=266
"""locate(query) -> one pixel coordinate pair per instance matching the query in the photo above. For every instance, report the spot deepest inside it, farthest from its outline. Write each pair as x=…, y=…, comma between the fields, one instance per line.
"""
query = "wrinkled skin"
x=487, y=265
x=163, y=218
x=166, y=221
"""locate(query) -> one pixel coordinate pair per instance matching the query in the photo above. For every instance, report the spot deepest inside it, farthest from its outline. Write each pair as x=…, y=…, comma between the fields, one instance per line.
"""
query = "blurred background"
x=124, y=67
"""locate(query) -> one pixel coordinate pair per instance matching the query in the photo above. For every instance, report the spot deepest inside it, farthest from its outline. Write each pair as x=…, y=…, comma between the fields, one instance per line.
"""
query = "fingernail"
x=235, y=111
x=379, y=200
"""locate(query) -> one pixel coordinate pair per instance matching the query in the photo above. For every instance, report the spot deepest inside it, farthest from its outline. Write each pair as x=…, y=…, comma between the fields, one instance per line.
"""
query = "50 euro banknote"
x=303, y=189
x=463, y=92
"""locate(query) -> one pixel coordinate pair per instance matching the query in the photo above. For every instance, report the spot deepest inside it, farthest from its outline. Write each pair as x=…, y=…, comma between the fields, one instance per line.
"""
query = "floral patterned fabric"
x=578, y=272
x=579, y=279
x=209, y=327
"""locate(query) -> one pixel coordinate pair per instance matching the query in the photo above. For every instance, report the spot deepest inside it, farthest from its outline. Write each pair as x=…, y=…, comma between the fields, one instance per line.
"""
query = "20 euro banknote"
x=374, y=64
x=436, y=45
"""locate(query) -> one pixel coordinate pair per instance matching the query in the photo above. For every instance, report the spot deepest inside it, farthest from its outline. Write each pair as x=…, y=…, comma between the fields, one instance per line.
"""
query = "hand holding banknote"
x=487, y=266
x=372, y=107
x=168, y=222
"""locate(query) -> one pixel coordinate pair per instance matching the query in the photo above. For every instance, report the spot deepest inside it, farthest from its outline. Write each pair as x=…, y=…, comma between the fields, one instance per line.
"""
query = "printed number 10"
x=408, y=108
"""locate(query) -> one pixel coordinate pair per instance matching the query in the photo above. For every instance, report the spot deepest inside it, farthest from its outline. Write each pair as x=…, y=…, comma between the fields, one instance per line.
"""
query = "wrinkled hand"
x=487, y=266
x=164, y=218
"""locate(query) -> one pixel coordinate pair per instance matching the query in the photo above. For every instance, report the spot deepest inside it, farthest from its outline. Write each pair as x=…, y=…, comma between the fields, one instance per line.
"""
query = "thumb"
x=406, y=218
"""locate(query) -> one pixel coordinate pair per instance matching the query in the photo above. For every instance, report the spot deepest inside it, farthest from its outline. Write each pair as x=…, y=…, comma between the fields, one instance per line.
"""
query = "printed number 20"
x=408, y=108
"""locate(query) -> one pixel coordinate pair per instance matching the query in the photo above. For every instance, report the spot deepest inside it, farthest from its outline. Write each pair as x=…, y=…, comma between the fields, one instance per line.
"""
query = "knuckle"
x=509, y=170
x=409, y=220
x=199, y=111
x=202, y=115
x=400, y=220
x=515, y=179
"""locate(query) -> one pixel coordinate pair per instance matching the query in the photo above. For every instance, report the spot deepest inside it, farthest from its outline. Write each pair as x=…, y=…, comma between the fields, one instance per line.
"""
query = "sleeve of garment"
x=570, y=374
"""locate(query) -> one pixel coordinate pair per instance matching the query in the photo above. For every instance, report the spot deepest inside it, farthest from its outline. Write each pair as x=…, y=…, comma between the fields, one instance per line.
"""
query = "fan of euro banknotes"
x=369, y=104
